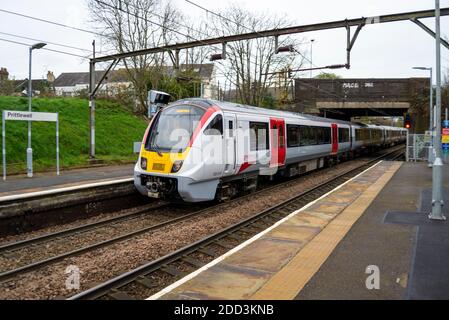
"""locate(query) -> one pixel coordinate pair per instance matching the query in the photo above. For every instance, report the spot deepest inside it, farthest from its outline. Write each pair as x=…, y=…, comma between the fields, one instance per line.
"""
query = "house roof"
x=37, y=84
x=69, y=79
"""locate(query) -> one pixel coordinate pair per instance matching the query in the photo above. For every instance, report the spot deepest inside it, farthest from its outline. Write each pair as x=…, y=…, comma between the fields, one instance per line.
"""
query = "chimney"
x=3, y=74
x=50, y=77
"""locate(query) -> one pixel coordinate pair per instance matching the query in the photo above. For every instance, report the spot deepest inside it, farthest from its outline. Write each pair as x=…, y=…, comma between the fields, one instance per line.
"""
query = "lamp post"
x=437, y=170
x=30, y=95
x=430, y=155
x=311, y=57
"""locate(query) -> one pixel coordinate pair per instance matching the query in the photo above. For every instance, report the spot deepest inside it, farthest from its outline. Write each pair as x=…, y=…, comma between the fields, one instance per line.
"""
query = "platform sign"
x=445, y=136
x=30, y=116
x=445, y=140
x=13, y=115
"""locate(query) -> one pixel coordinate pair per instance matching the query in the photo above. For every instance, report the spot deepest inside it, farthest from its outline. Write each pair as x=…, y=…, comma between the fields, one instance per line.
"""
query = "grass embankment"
x=116, y=130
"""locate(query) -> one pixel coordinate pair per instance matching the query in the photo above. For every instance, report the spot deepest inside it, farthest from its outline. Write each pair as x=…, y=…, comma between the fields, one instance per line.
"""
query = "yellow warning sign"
x=445, y=139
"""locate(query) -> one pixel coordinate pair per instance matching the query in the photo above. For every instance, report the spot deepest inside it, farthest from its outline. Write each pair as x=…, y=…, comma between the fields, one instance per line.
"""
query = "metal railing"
x=418, y=147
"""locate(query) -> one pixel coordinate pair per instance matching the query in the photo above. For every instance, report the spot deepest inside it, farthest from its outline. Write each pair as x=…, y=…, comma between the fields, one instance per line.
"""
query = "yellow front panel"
x=162, y=163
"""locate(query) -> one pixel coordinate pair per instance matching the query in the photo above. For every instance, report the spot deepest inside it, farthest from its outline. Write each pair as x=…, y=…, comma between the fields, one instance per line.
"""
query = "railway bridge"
x=348, y=98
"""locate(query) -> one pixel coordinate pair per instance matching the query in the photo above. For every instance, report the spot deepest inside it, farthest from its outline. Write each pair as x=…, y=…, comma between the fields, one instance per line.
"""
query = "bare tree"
x=130, y=25
x=249, y=63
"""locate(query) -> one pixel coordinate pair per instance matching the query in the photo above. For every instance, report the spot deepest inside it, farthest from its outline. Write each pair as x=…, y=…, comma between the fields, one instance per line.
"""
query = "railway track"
x=147, y=278
x=10, y=249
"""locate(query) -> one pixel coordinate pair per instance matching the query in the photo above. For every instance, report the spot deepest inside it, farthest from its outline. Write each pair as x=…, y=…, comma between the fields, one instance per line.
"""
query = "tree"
x=327, y=75
x=130, y=25
x=249, y=63
x=6, y=87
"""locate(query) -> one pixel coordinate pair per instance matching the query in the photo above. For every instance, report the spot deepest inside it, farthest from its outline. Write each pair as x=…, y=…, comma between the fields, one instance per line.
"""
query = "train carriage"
x=200, y=150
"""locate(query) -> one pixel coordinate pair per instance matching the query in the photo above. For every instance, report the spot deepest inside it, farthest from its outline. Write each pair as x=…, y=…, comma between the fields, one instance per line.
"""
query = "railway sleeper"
x=146, y=282
x=192, y=261
x=120, y=295
x=173, y=271
x=207, y=251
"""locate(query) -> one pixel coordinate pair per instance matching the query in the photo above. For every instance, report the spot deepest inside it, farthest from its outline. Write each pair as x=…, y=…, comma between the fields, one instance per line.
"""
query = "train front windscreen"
x=173, y=128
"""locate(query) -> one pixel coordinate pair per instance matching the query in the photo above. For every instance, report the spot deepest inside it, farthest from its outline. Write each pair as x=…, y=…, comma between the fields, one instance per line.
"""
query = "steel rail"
x=78, y=229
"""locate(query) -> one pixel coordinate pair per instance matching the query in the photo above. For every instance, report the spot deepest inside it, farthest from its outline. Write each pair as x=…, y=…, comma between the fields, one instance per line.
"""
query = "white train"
x=200, y=150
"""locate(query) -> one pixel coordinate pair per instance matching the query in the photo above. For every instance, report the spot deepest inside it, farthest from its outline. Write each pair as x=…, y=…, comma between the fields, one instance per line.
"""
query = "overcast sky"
x=387, y=50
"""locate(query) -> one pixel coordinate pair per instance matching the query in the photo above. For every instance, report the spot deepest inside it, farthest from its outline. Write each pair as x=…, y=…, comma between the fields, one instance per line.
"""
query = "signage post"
x=28, y=116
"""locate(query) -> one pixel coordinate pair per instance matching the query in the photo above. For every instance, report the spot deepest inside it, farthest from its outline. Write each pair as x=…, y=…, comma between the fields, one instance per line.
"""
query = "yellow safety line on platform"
x=290, y=280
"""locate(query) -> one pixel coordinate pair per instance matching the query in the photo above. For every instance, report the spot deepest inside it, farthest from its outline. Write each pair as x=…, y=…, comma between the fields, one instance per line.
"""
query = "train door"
x=230, y=132
x=278, y=148
x=334, y=138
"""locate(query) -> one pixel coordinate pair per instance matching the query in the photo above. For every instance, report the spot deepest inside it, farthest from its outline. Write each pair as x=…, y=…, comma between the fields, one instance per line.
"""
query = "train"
x=197, y=150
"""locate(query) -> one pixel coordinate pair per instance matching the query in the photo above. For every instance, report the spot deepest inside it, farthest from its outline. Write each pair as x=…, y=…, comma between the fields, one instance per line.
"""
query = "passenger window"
x=215, y=127
x=292, y=136
x=258, y=136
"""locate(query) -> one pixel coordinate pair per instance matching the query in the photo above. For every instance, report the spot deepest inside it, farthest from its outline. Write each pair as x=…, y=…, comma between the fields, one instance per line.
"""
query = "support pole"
x=4, y=145
x=57, y=144
x=30, y=95
x=348, y=45
x=430, y=155
x=92, y=105
x=437, y=171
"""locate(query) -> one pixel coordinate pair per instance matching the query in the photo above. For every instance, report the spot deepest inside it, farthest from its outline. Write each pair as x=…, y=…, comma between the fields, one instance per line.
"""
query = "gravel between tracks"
x=102, y=264
x=68, y=243
x=76, y=223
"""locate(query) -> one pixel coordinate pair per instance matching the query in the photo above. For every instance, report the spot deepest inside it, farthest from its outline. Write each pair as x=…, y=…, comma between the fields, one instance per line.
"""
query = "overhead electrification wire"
x=145, y=19
x=47, y=49
x=238, y=24
x=150, y=21
x=48, y=42
x=52, y=22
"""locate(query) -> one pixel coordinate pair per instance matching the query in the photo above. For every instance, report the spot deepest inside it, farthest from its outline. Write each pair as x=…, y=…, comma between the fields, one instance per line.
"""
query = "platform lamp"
x=36, y=46
x=430, y=156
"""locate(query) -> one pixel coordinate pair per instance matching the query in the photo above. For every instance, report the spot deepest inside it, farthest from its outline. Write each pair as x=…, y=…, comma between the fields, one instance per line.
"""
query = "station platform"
x=370, y=238
x=42, y=182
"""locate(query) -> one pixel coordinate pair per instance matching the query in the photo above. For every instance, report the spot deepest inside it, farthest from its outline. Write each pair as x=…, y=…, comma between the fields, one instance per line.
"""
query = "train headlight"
x=177, y=166
x=143, y=163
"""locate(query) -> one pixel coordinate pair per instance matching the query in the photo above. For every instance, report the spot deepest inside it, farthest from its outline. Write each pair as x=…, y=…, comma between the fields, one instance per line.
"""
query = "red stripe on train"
x=244, y=166
x=203, y=120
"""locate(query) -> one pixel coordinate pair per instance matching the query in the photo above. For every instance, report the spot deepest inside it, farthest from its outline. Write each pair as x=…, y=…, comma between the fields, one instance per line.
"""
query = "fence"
x=418, y=146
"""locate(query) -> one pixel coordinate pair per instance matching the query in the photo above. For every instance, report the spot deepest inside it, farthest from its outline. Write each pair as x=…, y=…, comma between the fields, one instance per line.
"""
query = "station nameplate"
x=30, y=116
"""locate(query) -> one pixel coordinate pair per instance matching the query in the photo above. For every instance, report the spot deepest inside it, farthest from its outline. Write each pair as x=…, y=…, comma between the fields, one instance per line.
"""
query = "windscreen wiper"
x=154, y=145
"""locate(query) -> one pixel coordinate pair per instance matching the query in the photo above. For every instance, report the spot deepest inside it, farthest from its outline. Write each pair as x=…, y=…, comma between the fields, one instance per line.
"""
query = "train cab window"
x=173, y=128
x=258, y=136
x=343, y=135
x=215, y=127
x=292, y=136
x=231, y=127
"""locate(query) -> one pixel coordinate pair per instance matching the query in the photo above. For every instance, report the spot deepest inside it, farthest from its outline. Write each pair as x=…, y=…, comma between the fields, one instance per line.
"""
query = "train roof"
x=234, y=107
